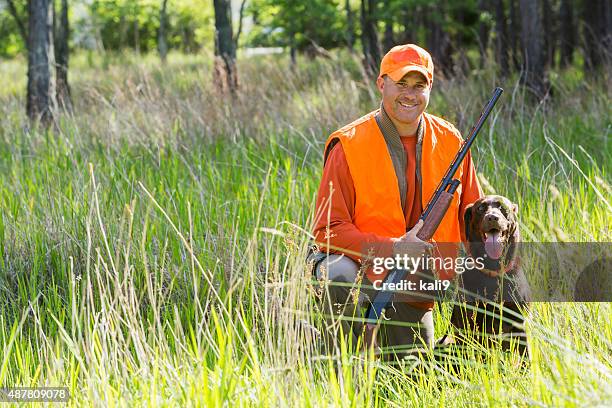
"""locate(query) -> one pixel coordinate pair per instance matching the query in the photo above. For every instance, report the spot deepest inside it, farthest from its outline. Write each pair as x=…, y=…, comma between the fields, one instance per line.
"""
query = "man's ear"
x=380, y=83
x=467, y=220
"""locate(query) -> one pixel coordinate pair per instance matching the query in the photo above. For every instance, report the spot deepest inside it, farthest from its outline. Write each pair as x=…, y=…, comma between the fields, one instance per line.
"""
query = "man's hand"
x=409, y=244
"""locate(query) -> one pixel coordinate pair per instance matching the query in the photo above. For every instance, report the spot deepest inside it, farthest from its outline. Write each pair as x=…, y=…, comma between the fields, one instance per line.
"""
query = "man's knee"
x=341, y=272
x=337, y=268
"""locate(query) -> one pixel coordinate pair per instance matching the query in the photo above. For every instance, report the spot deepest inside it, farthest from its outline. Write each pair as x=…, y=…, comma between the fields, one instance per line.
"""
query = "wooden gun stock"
x=433, y=220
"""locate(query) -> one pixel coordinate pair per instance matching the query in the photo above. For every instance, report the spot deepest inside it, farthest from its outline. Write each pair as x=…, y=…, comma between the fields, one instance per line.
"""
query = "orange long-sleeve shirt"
x=335, y=204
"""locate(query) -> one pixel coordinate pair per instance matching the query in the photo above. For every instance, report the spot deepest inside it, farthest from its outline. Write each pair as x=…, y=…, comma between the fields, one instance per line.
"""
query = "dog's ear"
x=467, y=220
x=513, y=232
x=514, y=210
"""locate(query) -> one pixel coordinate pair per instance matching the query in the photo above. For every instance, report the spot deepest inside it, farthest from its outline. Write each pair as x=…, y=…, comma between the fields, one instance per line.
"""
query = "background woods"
x=516, y=36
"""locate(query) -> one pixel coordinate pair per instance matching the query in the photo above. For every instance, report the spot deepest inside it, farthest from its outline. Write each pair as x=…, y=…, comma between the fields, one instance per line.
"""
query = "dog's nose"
x=492, y=218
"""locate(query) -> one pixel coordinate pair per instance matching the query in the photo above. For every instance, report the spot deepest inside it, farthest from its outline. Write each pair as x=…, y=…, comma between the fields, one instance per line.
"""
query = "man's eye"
x=402, y=84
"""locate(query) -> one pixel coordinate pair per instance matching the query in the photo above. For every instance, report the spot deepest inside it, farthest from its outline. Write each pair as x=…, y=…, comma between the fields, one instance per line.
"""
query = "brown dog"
x=497, y=293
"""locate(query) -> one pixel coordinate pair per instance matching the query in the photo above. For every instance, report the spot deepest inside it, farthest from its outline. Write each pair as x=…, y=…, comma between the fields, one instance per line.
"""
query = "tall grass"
x=153, y=241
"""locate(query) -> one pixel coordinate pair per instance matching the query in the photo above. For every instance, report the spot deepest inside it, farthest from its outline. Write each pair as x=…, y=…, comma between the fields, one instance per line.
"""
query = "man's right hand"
x=409, y=244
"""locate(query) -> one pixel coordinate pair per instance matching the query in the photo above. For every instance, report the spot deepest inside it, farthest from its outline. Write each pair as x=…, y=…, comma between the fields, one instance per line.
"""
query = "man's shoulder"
x=442, y=126
x=349, y=130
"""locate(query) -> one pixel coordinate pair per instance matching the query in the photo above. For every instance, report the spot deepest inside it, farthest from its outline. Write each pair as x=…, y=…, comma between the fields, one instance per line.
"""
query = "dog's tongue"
x=493, y=245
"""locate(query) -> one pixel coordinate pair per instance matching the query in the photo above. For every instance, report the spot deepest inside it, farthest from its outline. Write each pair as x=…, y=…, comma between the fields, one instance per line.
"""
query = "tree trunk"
x=369, y=37
x=501, y=43
x=136, y=36
x=123, y=30
x=412, y=19
x=483, y=33
x=62, y=53
x=590, y=39
x=350, y=26
x=534, y=65
x=292, y=51
x=568, y=33
x=293, y=56
x=463, y=64
x=388, y=40
x=41, y=92
x=607, y=30
x=225, y=72
x=438, y=41
x=597, y=35
x=549, y=33
x=407, y=20
x=162, y=44
x=514, y=37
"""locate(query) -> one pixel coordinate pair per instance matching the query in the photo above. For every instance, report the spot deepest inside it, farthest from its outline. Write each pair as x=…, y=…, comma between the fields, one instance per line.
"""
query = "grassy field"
x=152, y=242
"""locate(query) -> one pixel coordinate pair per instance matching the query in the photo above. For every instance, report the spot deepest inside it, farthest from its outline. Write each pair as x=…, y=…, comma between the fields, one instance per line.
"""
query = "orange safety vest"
x=378, y=207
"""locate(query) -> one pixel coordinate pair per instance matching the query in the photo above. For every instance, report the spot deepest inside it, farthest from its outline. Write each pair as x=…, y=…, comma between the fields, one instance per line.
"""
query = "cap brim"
x=399, y=73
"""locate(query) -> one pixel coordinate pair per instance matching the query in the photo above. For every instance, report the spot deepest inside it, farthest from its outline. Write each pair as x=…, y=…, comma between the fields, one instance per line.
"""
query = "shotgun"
x=434, y=212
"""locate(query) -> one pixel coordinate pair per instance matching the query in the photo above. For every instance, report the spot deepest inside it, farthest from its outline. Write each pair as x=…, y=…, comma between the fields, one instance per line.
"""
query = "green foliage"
x=126, y=23
x=294, y=23
x=134, y=23
x=462, y=23
x=121, y=24
x=11, y=42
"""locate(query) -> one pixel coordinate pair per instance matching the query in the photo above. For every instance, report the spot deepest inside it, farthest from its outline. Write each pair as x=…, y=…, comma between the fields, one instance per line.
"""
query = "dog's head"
x=491, y=228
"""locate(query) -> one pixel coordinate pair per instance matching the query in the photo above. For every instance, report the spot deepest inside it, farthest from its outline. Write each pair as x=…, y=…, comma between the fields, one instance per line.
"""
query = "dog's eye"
x=504, y=209
x=481, y=208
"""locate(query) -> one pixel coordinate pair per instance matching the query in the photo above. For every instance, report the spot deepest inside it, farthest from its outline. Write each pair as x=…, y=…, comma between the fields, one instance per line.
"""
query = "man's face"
x=406, y=99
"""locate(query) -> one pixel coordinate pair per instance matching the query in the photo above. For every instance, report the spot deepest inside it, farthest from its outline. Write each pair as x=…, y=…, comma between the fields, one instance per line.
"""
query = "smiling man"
x=379, y=173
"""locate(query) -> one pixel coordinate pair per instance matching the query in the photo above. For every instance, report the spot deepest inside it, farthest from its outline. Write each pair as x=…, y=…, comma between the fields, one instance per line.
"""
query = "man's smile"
x=408, y=104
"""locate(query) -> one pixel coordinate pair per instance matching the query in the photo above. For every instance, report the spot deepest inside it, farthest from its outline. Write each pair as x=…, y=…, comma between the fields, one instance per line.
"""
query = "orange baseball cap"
x=402, y=59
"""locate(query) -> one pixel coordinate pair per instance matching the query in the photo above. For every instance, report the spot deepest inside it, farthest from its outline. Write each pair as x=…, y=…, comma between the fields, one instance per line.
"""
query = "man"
x=379, y=173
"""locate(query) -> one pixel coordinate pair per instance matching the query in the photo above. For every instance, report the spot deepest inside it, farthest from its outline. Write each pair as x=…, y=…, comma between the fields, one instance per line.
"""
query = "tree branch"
x=22, y=30
x=237, y=36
